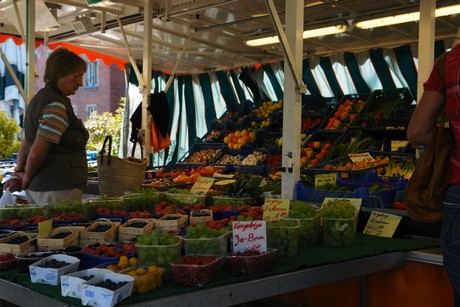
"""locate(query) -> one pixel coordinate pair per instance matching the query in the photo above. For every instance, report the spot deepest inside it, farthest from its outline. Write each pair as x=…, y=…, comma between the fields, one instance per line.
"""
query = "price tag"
x=202, y=185
x=382, y=224
x=275, y=208
x=44, y=228
x=361, y=157
x=356, y=202
x=323, y=179
x=249, y=235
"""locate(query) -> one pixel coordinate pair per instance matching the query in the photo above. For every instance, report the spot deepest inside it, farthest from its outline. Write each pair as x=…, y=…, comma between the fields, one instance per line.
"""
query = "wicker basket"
x=116, y=175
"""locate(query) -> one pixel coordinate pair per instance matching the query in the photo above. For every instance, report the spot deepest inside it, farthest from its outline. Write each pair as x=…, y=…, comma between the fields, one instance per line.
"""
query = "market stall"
x=313, y=266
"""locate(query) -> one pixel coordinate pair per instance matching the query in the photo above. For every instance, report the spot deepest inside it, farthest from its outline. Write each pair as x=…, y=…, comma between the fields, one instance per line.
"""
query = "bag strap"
x=137, y=141
x=442, y=73
x=108, y=139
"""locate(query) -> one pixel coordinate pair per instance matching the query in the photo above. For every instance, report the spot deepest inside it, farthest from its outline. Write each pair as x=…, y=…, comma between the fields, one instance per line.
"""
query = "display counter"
x=313, y=266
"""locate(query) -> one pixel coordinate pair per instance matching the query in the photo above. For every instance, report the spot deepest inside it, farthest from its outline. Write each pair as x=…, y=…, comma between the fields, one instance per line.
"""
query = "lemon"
x=123, y=262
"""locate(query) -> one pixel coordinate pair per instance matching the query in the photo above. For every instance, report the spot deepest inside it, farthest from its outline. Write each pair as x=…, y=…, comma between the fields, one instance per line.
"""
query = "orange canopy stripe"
x=17, y=40
x=92, y=55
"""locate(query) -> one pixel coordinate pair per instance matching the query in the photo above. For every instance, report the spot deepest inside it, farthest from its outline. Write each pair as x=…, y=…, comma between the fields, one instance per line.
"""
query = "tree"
x=9, y=142
x=101, y=125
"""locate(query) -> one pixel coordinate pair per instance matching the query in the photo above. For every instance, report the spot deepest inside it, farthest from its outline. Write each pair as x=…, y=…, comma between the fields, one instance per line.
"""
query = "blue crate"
x=361, y=173
x=369, y=198
x=90, y=261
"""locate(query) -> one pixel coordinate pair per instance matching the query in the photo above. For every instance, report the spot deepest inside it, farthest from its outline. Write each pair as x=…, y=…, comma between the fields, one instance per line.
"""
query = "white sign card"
x=249, y=235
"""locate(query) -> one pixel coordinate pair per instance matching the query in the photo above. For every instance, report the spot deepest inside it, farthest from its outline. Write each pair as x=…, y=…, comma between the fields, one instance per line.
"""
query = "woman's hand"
x=15, y=182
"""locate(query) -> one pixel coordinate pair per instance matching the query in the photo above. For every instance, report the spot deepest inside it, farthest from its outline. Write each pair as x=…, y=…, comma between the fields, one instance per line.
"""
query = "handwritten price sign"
x=202, y=185
x=249, y=235
x=275, y=208
x=382, y=224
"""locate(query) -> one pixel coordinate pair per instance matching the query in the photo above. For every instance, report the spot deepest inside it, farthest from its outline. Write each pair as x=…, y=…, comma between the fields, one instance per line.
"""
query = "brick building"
x=103, y=86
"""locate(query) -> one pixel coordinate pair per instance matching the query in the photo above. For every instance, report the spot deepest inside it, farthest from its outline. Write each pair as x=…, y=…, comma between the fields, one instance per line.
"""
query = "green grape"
x=284, y=236
x=339, y=232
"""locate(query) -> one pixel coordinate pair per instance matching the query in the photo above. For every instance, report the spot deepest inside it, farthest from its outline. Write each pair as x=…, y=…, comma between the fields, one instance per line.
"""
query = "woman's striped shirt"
x=53, y=122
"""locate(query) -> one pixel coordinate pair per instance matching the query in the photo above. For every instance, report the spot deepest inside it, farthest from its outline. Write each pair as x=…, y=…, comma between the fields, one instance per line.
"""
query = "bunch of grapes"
x=284, y=236
x=339, y=223
x=203, y=240
x=159, y=248
x=140, y=201
x=310, y=223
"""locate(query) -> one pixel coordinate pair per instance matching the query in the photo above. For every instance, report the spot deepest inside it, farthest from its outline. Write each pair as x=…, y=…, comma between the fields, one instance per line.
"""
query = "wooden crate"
x=200, y=219
x=73, y=239
x=165, y=223
x=29, y=245
x=127, y=233
x=88, y=236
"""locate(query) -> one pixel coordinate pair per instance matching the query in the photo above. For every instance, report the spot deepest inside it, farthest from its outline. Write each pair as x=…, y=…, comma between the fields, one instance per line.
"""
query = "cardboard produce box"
x=93, y=295
x=51, y=276
x=71, y=283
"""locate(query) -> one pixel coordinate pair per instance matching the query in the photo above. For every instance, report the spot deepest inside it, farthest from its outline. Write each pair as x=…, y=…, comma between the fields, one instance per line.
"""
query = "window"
x=90, y=109
x=91, y=75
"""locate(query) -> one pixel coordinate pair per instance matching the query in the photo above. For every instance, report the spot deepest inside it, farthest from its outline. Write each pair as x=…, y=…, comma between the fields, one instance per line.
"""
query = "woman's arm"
x=423, y=120
x=37, y=155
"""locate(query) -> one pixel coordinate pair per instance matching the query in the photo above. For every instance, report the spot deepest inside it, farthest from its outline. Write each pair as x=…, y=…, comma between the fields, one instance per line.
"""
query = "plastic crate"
x=318, y=154
x=355, y=189
x=352, y=142
x=357, y=102
x=382, y=104
x=234, y=157
x=333, y=166
x=188, y=158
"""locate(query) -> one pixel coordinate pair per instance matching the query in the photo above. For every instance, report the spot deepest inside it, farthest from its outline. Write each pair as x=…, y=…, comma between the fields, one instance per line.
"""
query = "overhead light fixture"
x=403, y=18
x=365, y=24
x=306, y=34
x=83, y=25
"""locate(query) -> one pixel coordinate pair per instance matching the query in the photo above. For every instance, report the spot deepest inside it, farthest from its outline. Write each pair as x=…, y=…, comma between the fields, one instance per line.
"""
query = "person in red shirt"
x=437, y=94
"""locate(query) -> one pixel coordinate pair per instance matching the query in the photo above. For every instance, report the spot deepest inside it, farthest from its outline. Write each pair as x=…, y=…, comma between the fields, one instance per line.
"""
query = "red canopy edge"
x=18, y=40
x=92, y=55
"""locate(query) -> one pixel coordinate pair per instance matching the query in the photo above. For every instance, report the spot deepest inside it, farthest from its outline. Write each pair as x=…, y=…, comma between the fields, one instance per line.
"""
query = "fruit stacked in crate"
x=345, y=113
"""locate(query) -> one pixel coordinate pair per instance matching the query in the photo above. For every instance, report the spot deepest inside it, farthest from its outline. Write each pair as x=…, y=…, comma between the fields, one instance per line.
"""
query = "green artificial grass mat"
x=313, y=256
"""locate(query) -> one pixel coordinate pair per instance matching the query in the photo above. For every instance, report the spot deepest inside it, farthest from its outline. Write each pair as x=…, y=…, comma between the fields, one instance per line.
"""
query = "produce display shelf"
x=372, y=254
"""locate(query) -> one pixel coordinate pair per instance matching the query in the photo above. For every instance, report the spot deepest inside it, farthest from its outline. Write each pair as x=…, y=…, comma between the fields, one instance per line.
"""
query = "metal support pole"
x=147, y=74
x=30, y=50
x=179, y=58
x=293, y=90
x=131, y=58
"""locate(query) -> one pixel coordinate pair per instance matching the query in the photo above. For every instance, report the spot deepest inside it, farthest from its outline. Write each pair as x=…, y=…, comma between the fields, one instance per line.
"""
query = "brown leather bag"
x=424, y=194
x=425, y=191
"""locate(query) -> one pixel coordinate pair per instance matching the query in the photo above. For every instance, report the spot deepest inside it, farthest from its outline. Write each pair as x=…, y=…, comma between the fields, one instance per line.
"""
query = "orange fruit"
x=133, y=261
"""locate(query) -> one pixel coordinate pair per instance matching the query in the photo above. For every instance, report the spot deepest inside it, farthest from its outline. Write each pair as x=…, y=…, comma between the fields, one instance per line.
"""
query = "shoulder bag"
x=425, y=191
